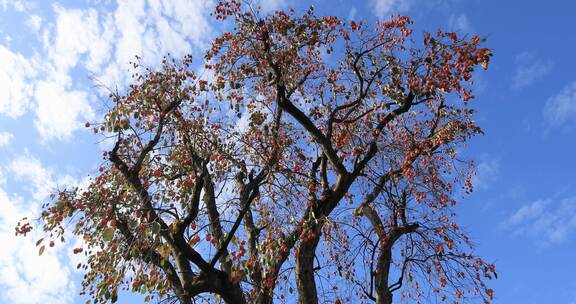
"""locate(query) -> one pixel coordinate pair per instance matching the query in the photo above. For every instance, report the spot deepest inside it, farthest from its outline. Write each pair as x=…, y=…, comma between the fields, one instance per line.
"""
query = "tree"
x=320, y=161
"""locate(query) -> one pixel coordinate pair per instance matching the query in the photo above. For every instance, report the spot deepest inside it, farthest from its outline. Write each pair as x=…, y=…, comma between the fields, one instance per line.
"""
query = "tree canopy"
x=314, y=159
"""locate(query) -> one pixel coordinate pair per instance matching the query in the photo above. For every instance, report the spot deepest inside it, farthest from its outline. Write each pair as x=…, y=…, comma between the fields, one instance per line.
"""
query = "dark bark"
x=383, y=294
x=305, y=278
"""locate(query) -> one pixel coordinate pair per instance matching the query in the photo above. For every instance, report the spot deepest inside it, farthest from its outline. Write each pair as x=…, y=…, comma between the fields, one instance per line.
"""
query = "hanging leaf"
x=155, y=227
x=41, y=250
x=108, y=234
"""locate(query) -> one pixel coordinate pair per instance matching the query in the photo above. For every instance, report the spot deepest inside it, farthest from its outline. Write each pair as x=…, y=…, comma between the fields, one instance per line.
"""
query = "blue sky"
x=55, y=57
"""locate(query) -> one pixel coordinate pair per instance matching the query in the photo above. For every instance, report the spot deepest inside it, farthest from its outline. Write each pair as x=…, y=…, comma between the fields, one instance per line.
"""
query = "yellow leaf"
x=108, y=234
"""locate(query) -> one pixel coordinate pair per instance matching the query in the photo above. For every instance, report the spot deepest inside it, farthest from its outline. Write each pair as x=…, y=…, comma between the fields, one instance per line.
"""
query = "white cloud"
x=7, y=39
x=486, y=173
x=459, y=23
x=5, y=138
x=38, y=180
x=352, y=14
x=17, y=5
x=16, y=89
x=60, y=111
x=34, y=22
x=548, y=221
x=51, y=85
x=149, y=32
x=529, y=69
x=27, y=278
x=560, y=109
x=269, y=6
x=99, y=43
x=528, y=212
x=77, y=33
x=386, y=8
x=189, y=18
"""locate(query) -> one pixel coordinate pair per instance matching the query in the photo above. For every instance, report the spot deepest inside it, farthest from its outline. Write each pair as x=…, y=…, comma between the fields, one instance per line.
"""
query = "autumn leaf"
x=108, y=234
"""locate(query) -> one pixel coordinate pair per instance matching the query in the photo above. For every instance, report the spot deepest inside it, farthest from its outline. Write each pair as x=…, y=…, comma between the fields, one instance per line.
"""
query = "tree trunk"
x=230, y=292
x=384, y=298
x=383, y=294
x=305, y=281
x=216, y=282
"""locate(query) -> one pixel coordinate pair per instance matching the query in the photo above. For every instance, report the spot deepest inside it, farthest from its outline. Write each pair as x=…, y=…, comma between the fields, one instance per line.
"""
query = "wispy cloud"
x=45, y=82
x=486, y=173
x=60, y=110
x=546, y=221
x=460, y=23
x=268, y=6
x=560, y=109
x=530, y=69
x=16, y=88
x=352, y=13
x=97, y=42
x=17, y=5
x=34, y=22
x=5, y=138
x=27, y=278
x=386, y=8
